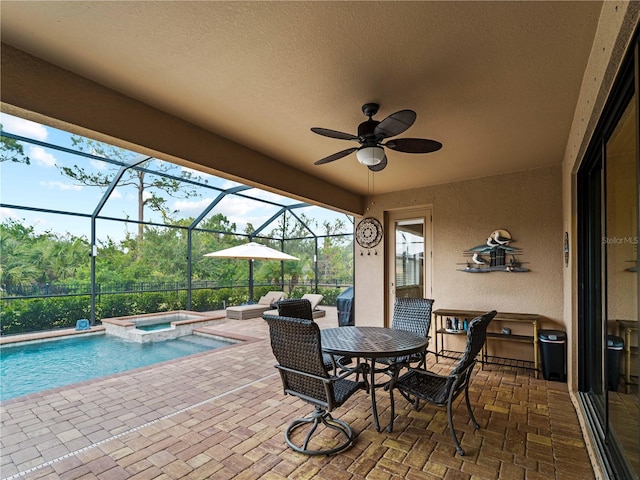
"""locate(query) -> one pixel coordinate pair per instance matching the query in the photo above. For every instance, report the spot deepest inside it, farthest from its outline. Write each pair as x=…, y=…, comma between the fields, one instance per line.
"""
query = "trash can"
x=344, y=303
x=553, y=346
x=615, y=346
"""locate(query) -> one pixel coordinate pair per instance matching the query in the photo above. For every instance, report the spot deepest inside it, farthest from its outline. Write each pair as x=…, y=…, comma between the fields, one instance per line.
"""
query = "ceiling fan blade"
x=335, y=156
x=413, y=145
x=380, y=166
x=333, y=134
x=395, y=124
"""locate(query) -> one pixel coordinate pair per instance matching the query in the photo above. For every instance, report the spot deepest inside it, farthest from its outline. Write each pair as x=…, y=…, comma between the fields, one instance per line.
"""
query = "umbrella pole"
x=251, y=281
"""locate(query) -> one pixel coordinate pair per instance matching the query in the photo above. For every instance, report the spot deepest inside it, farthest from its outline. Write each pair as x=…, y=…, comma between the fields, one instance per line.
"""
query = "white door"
x=409, y=256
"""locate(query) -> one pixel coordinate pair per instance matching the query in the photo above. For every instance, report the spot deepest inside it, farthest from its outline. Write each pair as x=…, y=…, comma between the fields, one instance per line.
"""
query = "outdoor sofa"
x=242, y=312
x=314, y=299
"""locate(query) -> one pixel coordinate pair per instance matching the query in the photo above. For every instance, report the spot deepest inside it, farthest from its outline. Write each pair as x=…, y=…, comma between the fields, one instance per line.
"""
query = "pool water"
x=34, y=367
x=155, y=326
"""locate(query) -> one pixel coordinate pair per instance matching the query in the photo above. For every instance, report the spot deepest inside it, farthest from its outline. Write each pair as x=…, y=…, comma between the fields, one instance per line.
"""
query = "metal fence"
x=46, y=290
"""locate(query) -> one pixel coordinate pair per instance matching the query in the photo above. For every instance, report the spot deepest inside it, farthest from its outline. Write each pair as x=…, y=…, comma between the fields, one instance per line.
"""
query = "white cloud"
x=8, y=213
x=233, y=205
x=196, y=207
x=237, y=210
x=61, y=185
x=25, y=128
x=42, y=157
x=98, y=165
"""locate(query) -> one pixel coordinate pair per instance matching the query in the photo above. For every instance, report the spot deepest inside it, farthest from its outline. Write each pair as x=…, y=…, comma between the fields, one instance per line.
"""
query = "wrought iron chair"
x=440, y=389
x=295, y=308
x=301, y=308
x=296, y=345
x=413, y=315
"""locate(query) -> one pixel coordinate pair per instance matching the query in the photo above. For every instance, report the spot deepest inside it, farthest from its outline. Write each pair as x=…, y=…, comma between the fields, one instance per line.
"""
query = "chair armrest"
x=306, y=374
x=348, y=372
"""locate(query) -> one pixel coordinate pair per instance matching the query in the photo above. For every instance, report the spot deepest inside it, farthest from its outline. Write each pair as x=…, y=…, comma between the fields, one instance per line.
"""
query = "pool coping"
x=49, y=335
x=99, y=329
x=126, y=321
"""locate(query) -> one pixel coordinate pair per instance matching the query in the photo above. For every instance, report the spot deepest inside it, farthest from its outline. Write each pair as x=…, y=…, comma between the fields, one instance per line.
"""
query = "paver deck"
x=222, y=414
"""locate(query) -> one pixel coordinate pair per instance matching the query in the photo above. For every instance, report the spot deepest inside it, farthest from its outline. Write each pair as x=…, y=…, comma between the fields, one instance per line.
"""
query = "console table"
x=502, y=318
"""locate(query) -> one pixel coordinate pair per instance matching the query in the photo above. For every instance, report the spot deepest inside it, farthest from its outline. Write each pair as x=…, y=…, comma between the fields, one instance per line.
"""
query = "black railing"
x=19, y=292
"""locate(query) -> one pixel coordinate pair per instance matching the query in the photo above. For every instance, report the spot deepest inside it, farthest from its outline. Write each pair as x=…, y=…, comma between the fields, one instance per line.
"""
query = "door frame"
x=391, y=217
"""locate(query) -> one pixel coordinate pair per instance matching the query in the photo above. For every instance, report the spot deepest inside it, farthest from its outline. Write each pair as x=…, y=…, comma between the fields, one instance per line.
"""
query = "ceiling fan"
x=371, y=134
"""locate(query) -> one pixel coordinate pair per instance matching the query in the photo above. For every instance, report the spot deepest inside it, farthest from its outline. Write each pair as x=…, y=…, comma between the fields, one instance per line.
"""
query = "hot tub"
x=156, y=327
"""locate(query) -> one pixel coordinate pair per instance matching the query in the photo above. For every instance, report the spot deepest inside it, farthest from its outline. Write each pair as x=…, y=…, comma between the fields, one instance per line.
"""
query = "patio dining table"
x=371, y=343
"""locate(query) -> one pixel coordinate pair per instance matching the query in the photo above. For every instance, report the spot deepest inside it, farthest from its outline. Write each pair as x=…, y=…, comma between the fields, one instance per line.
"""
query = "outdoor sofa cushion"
x=315, y=299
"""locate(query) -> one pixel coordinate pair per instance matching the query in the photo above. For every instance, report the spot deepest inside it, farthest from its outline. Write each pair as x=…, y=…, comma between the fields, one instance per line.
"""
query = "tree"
x=12, y=150
x=28, y=257
x=336, y=253
x=149, y=187
x=293, y=231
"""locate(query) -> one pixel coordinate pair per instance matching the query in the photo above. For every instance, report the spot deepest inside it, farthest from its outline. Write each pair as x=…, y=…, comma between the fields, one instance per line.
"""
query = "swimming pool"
x=34, y=367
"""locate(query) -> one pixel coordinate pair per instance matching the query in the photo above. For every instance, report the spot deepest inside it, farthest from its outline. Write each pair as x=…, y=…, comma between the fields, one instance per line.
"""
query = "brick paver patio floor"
x=222, y=414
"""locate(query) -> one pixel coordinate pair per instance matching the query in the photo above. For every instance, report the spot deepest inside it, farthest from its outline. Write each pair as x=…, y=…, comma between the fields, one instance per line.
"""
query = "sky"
x=42, y=185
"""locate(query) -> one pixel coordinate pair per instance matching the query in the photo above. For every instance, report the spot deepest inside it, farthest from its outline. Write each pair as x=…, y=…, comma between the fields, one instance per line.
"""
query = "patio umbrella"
x=251, y=251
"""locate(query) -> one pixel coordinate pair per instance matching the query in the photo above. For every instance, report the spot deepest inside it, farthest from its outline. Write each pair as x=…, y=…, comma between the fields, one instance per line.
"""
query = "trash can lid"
x=552, y=335
x=615, y=343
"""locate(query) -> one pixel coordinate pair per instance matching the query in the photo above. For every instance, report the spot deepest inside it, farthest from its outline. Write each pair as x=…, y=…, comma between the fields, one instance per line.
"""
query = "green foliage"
x=12, y=151
x=330, y=294
x=35, y=314
x=31, y=258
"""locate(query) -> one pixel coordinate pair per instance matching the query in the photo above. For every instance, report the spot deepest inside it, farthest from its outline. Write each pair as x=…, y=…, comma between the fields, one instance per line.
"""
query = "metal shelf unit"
x=520, y=318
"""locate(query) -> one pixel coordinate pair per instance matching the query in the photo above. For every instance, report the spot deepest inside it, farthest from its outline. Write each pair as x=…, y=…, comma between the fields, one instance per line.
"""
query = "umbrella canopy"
x=252, y=251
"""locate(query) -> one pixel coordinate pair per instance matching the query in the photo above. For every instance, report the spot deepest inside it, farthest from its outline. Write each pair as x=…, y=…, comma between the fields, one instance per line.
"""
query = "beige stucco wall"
x=618, y=20
x=528, y=204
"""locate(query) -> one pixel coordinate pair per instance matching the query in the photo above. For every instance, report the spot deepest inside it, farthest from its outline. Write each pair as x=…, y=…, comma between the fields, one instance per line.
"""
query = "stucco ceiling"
x=496, y=82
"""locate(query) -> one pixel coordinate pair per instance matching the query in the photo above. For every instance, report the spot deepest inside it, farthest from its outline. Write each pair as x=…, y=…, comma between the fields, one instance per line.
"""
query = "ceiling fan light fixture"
x=370, y=155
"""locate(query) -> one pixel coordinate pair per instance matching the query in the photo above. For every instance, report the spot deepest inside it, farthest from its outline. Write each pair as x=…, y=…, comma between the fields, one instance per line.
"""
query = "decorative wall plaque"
x=496, y=255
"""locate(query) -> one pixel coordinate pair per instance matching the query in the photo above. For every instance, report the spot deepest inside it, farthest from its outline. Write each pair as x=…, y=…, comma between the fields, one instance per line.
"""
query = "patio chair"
x=302, y=308
x=444, y=389
x=295, y=308
x=413, y=315
x=296, y=344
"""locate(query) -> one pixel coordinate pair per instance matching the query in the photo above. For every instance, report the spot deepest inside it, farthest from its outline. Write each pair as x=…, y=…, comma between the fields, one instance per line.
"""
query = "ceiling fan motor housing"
x=366, y=135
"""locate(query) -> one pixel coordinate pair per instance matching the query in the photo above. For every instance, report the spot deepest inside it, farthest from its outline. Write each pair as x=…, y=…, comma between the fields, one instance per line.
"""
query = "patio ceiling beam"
x=44, y=92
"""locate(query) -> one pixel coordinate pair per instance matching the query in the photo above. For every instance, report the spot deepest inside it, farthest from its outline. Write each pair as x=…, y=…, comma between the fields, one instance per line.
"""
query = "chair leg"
x=317, y=417
x=453, y=432
x=473, y=418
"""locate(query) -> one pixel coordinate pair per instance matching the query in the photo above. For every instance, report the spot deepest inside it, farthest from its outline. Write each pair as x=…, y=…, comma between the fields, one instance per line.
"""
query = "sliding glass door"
x=608, y=200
